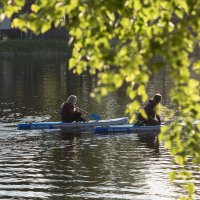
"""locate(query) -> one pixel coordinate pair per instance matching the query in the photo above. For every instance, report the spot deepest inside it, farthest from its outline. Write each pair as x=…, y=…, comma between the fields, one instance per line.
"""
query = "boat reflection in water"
x=150, y=140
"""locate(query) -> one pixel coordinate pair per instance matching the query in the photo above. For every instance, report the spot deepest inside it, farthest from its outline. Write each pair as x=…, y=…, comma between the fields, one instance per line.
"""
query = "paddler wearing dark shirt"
x=69, y=112
x=151, y=110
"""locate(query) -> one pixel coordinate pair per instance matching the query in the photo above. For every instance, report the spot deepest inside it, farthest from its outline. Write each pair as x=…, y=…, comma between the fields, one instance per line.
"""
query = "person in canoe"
x=152, y=112
x=69, y=112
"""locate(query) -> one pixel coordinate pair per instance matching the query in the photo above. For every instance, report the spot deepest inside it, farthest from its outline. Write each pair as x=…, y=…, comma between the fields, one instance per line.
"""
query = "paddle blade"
x=95, y=117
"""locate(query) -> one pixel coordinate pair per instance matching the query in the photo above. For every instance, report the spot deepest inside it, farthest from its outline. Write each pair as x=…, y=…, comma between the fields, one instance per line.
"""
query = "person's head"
x=72, y=99
x=157, y=98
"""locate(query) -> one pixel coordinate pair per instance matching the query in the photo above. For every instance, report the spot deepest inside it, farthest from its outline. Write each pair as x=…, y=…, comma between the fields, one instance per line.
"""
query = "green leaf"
x=132, y=94
x=73, y=4
x=104, y=91
x=19, y=3
x=196, y=65
x=172, y=176
x=193, y=83
x=45, y=27
x=110, y=15
x=137, y=5
x=118, y=80
x=184, y=6
x=141, y=90
x=125, y=22
x=191, y=189
x=179, y=160
x=35, y=8
x=72, y=63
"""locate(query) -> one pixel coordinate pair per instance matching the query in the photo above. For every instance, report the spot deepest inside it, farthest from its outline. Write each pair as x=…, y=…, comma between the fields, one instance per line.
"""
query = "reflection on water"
x=53, y=165
x=56, y=165
x=36, y=87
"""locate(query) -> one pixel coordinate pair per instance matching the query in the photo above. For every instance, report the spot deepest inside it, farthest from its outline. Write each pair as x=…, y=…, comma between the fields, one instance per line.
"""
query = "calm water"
x=53, y=165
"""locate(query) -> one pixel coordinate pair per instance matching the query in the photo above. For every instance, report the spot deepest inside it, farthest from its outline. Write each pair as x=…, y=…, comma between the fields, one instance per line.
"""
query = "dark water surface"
x=54, y=165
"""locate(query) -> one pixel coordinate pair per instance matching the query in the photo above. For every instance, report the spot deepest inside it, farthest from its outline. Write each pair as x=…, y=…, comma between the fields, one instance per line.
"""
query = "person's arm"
x=158, y=118
x=82, y=111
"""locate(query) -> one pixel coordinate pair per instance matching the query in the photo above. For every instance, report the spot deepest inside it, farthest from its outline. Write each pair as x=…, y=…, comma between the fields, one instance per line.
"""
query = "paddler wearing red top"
x=69, y=112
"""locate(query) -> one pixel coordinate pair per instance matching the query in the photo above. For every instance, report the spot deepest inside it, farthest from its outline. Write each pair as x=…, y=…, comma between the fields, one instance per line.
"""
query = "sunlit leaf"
x=193, y=83
x=125, y=22
x=172, y=175
x=45, y=27
x=118, y=80
x=179, y=160
x=35, y=8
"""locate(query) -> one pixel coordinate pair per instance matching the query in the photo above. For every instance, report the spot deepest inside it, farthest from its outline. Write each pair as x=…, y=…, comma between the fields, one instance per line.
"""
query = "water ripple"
x=39, y=165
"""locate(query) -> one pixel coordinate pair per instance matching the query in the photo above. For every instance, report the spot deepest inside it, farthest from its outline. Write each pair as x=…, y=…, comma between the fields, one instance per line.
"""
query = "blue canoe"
x=126, y=129
x=73, y=125
x=131, y=128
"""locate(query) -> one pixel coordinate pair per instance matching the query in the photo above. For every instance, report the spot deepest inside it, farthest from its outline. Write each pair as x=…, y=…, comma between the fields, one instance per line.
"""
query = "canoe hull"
x=126, y=129
x=131, y=128
x=73, y=125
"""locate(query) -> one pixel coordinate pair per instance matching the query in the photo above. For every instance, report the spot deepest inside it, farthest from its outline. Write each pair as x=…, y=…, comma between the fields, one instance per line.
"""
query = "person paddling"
x=151, y=110
x=69, y=112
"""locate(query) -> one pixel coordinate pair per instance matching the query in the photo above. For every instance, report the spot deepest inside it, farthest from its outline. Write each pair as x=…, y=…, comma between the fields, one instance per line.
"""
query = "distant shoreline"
x=34, y=47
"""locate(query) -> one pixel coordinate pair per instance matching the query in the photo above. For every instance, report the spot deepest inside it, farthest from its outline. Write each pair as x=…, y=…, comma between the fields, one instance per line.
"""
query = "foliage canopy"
x=124, y=42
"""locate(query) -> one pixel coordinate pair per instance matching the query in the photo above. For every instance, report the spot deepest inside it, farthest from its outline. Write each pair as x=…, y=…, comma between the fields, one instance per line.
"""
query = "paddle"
x=95, y=117
x=91, y=116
